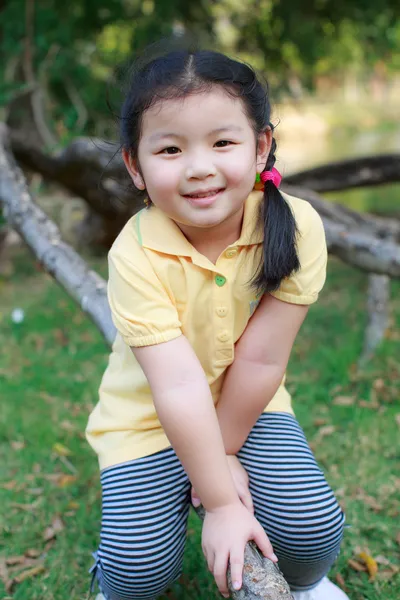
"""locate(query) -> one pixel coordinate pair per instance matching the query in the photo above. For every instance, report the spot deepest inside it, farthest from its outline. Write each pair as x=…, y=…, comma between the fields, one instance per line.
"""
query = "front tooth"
x=204, y=195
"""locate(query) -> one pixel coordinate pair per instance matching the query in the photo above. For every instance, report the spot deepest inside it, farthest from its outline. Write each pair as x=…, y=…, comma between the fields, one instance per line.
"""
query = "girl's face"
x=198, y=158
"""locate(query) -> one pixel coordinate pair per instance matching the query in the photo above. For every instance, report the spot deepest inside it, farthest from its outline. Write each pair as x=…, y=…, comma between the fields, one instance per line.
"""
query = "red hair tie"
x=272, y=175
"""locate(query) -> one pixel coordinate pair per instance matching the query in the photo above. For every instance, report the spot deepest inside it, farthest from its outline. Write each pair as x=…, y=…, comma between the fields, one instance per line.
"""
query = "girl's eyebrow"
x=157, y=136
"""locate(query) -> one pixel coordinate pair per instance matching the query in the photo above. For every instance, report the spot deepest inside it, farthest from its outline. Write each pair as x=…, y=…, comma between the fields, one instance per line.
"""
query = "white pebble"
x=17, y=315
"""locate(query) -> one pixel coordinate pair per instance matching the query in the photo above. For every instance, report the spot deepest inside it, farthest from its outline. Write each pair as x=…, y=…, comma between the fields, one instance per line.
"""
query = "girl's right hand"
x=226, y=531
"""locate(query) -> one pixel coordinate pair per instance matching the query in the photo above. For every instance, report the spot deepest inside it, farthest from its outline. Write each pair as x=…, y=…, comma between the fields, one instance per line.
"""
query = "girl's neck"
x=211, y=242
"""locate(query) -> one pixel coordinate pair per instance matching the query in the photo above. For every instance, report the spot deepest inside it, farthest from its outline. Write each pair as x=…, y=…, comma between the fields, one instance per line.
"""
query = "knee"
x=309, y=553
x=311, y=541
x=137, y=577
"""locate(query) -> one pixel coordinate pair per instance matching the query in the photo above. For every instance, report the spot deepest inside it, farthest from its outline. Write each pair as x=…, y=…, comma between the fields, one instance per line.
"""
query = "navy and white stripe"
x=146, y=505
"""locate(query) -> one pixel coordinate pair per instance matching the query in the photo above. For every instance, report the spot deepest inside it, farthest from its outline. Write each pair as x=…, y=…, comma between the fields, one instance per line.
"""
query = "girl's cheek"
x=237, y=172
x=162, y=176
x=237, y=166
x=169, y=178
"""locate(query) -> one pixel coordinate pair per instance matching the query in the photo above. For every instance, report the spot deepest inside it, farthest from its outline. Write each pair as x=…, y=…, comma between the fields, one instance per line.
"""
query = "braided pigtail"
x=280, y=257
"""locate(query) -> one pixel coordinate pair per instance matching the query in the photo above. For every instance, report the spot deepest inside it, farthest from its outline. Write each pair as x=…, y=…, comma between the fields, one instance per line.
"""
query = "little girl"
x=208, y=287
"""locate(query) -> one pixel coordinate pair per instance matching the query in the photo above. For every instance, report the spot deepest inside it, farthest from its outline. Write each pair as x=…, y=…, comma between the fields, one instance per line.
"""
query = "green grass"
x=50, y=369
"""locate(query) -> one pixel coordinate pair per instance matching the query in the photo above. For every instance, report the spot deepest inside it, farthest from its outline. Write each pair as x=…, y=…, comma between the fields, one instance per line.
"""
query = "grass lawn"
x=50, y=368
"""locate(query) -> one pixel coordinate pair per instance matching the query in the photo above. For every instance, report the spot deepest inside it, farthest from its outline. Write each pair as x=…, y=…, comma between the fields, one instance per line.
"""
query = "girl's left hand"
x=241, y=481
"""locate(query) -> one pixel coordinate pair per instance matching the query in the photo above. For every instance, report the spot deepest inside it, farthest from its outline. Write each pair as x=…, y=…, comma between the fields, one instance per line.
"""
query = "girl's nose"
x=200, y=169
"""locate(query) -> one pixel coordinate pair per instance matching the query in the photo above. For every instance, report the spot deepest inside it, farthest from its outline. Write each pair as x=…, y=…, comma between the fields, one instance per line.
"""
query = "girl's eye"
x=224, y=143
x=170, y=150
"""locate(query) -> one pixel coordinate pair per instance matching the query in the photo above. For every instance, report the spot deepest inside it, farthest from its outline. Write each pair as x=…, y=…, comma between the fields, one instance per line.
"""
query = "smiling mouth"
x=207, y=194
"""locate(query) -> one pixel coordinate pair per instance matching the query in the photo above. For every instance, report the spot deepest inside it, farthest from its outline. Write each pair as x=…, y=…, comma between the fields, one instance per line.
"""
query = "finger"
x=262, y=541
x=195, y=499
x=209, y=559
x=236, y=562
x=220, y=567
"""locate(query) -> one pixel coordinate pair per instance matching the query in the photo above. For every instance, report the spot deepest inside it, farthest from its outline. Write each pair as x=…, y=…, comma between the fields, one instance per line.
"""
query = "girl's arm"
x=186, y=411
x=261, y=357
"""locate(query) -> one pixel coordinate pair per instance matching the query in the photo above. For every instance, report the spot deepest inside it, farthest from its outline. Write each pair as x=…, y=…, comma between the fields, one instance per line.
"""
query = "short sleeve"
x=141, y=309
x=304, y=286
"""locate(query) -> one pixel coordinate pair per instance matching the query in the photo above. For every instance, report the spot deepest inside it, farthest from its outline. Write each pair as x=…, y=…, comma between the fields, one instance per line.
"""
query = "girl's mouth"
x=204, y=199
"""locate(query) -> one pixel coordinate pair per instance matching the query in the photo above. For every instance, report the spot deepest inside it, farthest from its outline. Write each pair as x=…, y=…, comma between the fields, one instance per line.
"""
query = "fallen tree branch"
x=350, y=173
x=43, y=237
x=381, y=227
x=362, y=250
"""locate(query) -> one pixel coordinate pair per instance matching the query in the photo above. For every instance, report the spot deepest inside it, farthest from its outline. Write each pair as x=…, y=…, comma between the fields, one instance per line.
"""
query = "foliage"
x=323, y=36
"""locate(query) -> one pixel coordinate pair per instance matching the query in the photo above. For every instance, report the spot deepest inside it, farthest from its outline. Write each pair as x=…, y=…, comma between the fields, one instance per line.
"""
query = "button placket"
x=223, y=337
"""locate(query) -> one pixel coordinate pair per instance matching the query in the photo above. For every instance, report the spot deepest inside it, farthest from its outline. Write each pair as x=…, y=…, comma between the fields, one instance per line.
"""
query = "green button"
x=220, y=280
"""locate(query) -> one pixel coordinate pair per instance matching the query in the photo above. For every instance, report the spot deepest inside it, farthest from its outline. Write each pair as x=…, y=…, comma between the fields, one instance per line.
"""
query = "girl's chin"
x=203, y=220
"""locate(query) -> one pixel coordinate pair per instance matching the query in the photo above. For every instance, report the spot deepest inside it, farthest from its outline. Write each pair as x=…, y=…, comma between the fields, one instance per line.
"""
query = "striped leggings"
x=146, y=505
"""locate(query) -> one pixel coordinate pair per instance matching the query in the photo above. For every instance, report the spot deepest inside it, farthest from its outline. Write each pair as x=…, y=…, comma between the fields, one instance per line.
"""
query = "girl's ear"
x=132, y=167
x=264, y=143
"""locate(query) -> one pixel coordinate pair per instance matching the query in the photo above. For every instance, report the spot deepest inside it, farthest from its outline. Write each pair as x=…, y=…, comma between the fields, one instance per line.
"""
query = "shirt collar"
x=157, y=231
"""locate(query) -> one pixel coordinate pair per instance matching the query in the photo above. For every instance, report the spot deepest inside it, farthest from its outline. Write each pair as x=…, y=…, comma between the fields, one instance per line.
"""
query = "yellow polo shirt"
x=160, y=287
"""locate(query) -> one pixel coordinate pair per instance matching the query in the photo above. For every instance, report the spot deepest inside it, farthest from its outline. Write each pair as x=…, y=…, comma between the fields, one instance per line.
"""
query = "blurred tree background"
x=69, y=51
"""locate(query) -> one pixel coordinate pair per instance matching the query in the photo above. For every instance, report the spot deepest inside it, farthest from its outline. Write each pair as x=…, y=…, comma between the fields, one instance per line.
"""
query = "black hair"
x=178, y=73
